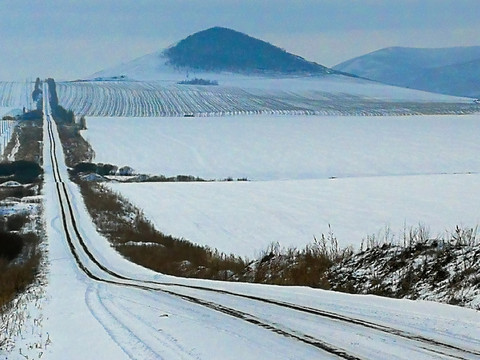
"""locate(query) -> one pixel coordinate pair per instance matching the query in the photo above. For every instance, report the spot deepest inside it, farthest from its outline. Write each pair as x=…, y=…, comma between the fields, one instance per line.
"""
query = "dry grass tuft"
x=19, y=271
x=137, y=239
x=29, y=135
x=75, y=147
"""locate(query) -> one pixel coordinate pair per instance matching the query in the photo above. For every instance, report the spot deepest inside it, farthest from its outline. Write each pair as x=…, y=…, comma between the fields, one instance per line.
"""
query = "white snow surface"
x=16, y=95
x=89, y=319
x=86, y=319
x=5, y=110
x=289, y=147
x=6, y=132
x=155, y=67
x=363, y=176
x=244, y=218
x=330, y=95
x=338, y=84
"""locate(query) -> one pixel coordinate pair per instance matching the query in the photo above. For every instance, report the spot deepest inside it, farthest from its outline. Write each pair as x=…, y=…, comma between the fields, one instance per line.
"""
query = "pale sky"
x=69, y=39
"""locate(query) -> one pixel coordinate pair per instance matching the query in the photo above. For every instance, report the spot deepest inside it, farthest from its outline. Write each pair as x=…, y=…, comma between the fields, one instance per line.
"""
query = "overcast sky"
x=68, y=39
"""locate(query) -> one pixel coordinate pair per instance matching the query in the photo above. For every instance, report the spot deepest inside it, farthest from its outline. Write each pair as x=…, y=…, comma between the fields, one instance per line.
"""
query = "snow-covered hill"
x=237, y=94
x=210, y=52
x=263, y=80
x=451, y=71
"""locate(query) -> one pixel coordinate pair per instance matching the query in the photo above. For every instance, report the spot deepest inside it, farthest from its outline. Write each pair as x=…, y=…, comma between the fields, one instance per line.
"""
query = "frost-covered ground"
x=328, y=95
x=289, y=147
x=80, y=318
x=245, y=217
x=13, y=96
x=16, y=94
x=391, y=172
x=6, y=128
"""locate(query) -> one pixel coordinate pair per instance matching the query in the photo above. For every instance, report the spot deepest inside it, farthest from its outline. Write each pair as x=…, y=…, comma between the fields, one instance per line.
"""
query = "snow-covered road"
x=100, y=306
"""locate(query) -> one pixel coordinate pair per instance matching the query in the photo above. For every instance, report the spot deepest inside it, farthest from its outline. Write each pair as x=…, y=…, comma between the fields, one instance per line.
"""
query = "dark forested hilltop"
x=222, y=49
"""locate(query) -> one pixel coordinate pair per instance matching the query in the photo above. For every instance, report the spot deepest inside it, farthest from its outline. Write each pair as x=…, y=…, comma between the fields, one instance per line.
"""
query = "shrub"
x=30, y=135
x=197, y=81
x=22, y=171
x=26, y=171
x=84, y=167
x=15, y=222
x=17, y=192
x=137, y=239
x=33, y=115
x=11, y=245
x=88, y=167
x=15, y=277
x=75, y=147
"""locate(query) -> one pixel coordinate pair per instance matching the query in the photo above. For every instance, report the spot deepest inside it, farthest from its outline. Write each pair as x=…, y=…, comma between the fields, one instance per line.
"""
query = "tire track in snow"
x=121, y=334
x=63, y=196
x=429, y=344
x=166, y=342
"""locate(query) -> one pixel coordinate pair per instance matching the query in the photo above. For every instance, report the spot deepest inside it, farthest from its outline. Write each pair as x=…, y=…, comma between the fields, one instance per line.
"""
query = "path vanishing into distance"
x=101, y=306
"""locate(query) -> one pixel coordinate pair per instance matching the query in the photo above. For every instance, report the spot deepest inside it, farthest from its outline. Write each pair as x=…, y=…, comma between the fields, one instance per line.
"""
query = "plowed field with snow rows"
x=134, y=99
x=15, y=94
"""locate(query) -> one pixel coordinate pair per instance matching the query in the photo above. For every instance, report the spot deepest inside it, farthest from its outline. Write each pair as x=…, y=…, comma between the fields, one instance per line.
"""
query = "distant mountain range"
x=452, y=71
x=217, y=53
x=218, y=50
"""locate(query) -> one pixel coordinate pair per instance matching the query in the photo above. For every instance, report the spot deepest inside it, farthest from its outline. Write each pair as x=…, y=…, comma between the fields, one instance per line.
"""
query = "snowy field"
x=125, y=322
x=329, y=95
x=245, y=217
x=15, y=94
x=139, y=314
x=358, y=174
x=289, y=147
x=6, y=128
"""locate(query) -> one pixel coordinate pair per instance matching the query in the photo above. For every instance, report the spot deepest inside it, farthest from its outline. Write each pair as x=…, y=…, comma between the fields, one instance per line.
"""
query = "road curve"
x=121, y=302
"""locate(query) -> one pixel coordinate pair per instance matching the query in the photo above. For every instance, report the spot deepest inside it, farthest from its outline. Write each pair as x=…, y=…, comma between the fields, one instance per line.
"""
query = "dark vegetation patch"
x=442, y=269
x=126, y=174
x=11, y=245
x=19, y=248
x=60, y=114
x=304, y=267
x=88, y=167
x=22, y=171
x=75, y=147
x=19, y=259
x=19, y=192
x=20, y=252
x=29, y=135
x=221, y=49
x=177, y=178
x=137, y=239
x=15, y=222
x=21, y=229
x=32, y=115
x=197, y=81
